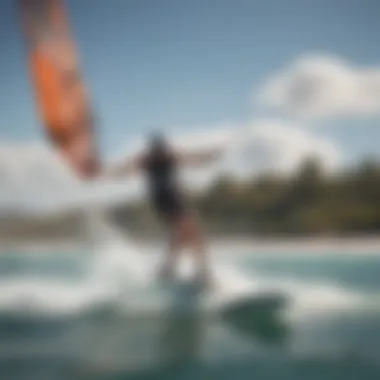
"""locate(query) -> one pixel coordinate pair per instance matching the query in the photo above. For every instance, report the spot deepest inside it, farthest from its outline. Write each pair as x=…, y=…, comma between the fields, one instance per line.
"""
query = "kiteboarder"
x=160, y=163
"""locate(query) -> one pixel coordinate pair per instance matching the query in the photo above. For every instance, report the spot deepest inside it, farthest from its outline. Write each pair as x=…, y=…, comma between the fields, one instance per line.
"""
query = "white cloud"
x=35, y=177
x=26, y=169
x=323, y=86
x=270, y=145
x=275, y=146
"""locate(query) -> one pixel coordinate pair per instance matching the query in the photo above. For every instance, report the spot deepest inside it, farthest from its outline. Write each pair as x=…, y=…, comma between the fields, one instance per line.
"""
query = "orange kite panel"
x=61, y=95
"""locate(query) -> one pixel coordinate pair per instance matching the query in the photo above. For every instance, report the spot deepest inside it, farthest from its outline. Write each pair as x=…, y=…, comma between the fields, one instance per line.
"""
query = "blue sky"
x=185, y=64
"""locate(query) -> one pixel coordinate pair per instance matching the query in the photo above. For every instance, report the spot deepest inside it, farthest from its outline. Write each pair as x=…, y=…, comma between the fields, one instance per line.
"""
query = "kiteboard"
x=228, y=292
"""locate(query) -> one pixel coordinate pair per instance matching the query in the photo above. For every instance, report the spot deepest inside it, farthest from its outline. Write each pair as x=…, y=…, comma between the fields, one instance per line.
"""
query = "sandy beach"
x=352, y=245
x=224, y=245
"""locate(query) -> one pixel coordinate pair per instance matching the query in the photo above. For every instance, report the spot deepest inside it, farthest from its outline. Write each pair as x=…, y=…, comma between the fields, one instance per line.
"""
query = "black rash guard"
x=164, y=191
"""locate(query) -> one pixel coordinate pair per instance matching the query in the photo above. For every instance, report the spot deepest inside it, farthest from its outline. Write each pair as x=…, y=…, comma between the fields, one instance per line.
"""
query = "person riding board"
x=160, y=163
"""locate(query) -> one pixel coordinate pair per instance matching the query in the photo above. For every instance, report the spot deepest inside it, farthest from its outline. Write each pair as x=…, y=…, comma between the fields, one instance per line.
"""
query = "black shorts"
x=168, y=204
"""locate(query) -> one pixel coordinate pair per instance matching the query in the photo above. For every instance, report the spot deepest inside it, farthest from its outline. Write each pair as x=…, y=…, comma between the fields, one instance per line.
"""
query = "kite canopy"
x=60, y=93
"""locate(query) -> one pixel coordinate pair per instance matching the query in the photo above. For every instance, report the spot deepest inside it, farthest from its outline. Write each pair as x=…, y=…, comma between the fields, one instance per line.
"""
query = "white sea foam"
x=119, y=272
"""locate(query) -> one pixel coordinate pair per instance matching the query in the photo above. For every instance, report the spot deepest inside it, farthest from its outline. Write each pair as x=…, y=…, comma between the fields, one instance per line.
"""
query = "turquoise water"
x=55, y=324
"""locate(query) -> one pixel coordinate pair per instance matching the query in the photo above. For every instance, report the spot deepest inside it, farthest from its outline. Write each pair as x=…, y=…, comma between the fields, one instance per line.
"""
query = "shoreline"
x=305, y=245
x=300, y=245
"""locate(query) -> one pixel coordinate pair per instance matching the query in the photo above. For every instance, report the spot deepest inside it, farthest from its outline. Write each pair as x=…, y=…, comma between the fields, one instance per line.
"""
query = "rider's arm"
x=124, y=169
x=199, y=158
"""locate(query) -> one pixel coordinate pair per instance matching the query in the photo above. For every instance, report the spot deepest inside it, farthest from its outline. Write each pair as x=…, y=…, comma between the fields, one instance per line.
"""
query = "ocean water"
x=85, y=315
